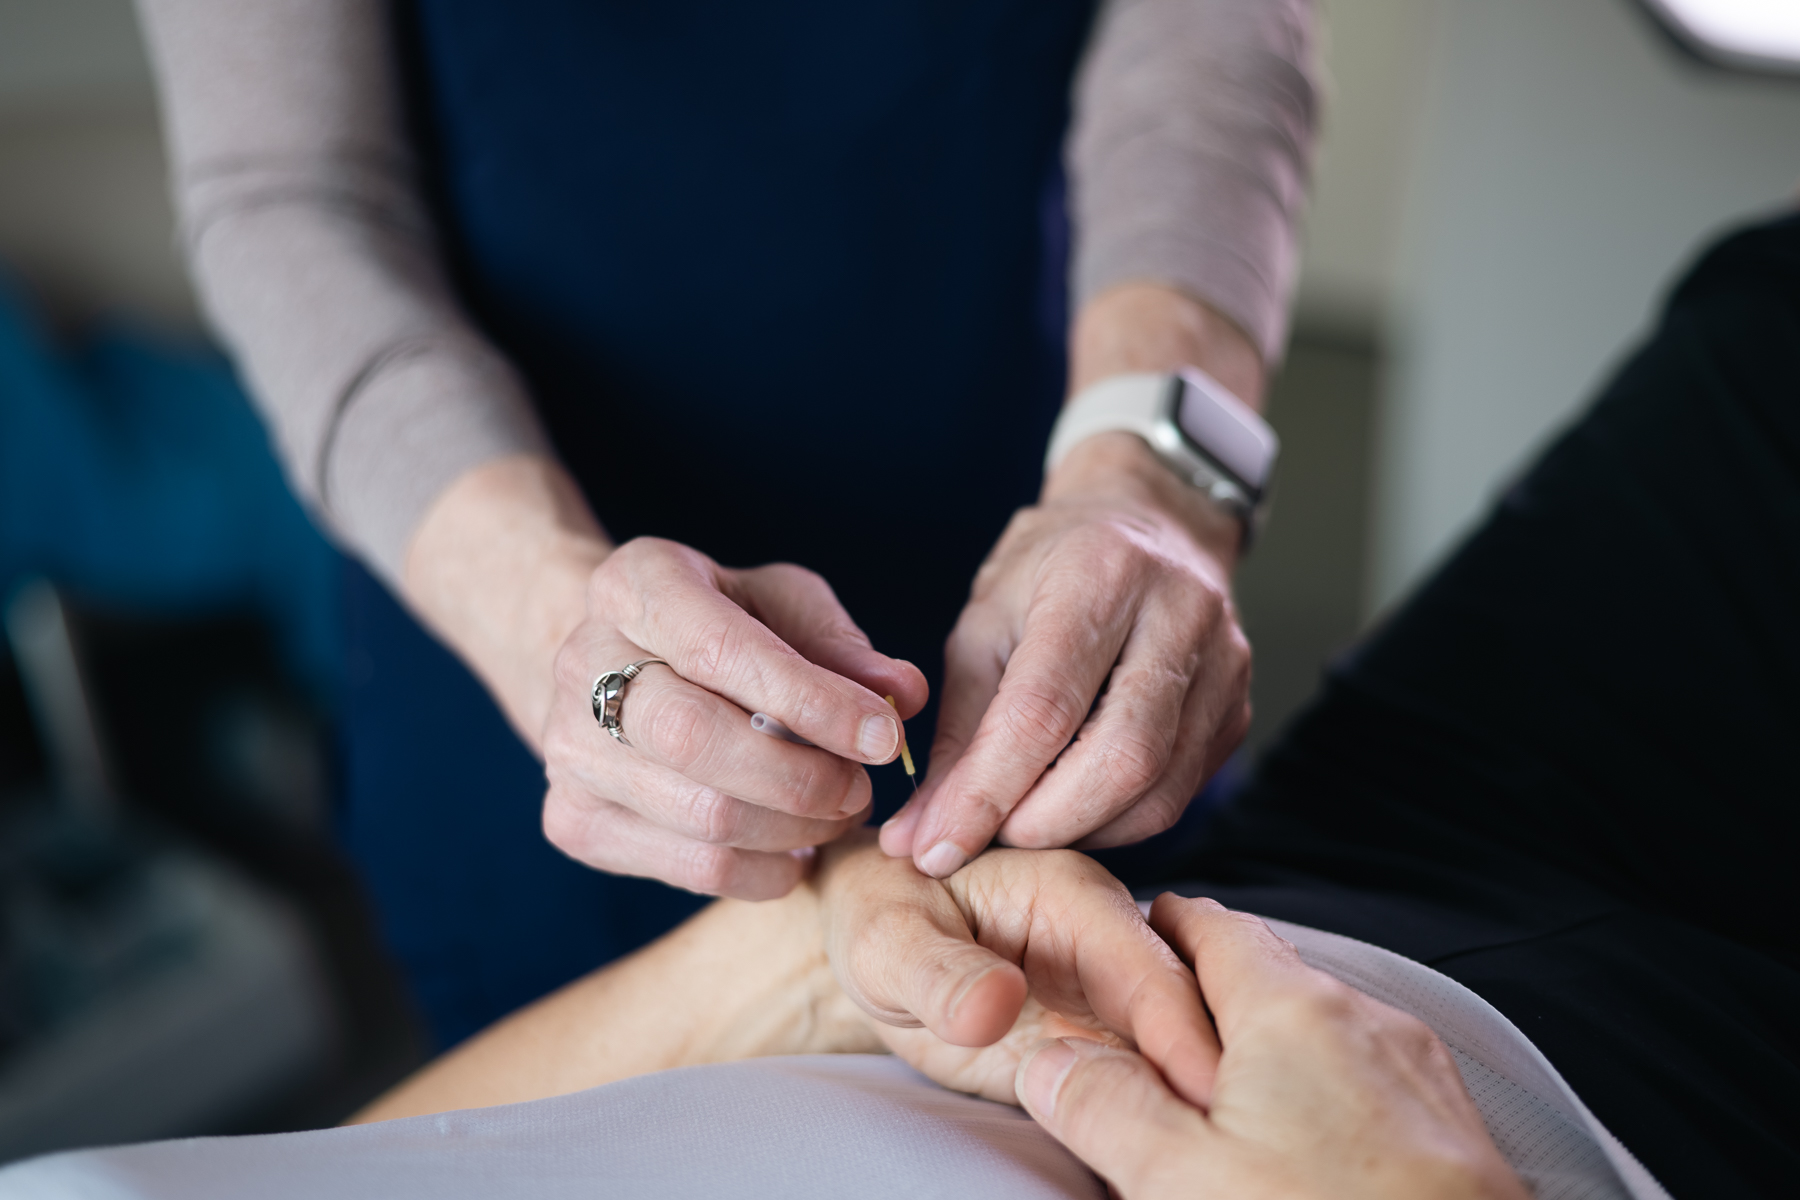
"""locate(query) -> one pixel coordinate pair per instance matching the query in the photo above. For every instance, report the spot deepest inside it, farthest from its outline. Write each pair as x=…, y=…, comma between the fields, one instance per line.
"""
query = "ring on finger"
x=609, y=695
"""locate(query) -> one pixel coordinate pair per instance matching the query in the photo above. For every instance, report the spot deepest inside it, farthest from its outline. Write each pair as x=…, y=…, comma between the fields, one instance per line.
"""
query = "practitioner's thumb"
x=1109, y=1107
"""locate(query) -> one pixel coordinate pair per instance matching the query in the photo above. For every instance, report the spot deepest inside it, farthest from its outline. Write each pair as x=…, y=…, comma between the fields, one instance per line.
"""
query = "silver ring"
x=609, y=694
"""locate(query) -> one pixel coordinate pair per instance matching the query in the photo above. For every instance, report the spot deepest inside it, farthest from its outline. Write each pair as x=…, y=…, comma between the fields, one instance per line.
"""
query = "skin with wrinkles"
x=963, y=973
x=956, y=976
x=1028, y=977
x=1115, y=587
x=511, y=569
x=698, y=798
x=1095, y=588
x=1321, y=1092
x=1190, y=141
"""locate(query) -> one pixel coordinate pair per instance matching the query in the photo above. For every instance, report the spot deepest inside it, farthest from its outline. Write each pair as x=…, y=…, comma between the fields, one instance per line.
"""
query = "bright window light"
x=1762, y=33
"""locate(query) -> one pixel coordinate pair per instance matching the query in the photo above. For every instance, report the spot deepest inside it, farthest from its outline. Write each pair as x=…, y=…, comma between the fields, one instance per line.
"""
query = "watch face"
x=1224, y=429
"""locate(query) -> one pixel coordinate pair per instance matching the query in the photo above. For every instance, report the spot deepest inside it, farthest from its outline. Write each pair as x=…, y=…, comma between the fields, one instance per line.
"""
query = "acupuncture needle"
x=905, y=753
x=764, y=723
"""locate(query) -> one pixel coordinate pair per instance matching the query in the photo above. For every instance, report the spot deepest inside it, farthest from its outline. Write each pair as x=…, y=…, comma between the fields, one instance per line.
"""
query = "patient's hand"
x=945, y=966
x=1321, y=1091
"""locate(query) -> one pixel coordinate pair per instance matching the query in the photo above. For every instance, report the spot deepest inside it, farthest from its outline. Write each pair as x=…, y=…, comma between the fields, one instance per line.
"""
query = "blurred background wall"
x=84, y=210
x=182, y=948
x=1505, y=190
x=1569, y=161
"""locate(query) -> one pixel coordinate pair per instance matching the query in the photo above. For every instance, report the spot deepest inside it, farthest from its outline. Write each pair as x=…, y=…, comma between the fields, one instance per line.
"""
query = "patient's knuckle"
x=1412, y=1035
x=1322, y=1005
x=1293, y=1012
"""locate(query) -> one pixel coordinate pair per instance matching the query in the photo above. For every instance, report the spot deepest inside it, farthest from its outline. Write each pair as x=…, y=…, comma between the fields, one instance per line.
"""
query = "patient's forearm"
x=737, y=981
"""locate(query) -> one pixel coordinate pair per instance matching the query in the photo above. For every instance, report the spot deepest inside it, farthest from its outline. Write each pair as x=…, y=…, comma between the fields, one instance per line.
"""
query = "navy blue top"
x=785, y=279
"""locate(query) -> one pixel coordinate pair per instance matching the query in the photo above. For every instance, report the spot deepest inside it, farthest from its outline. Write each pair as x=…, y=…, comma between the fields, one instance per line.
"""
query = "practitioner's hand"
x=1321, y=1091
x=1119, y=581
x=510, y=568
x=945, y=966
x=699, y=799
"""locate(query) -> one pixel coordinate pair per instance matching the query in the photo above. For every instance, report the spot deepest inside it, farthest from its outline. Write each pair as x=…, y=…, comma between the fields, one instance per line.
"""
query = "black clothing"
x=1567, y=773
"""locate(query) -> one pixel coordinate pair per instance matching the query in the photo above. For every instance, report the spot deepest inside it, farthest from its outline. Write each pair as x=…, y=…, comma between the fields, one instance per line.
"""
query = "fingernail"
x=878, y=738
x=943, y=859
x=1043, y=1077
x=897, y=830
x=963, y=992
x=858, y=798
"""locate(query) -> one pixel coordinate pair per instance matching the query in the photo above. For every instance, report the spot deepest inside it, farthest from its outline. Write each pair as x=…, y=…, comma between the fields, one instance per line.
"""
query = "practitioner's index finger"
x=712, y=642
x=802, y=610
x=1044, y=695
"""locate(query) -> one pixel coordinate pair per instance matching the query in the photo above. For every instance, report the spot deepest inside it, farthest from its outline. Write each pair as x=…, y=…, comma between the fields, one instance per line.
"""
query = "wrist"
x=785, y=998
x=1153, y=327
x=1121, y=469
x=499, y=569
x=738, y=980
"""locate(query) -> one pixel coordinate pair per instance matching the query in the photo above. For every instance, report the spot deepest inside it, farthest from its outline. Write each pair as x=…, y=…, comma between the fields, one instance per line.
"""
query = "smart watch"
x=1202, y=432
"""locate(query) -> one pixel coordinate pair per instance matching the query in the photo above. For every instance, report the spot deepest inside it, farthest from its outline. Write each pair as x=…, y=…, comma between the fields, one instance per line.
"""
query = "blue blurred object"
x=134, y=472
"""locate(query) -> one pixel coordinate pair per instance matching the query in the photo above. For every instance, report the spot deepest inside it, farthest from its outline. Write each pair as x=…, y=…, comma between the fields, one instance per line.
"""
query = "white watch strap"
x=1116, y=404
x=1167, y=411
